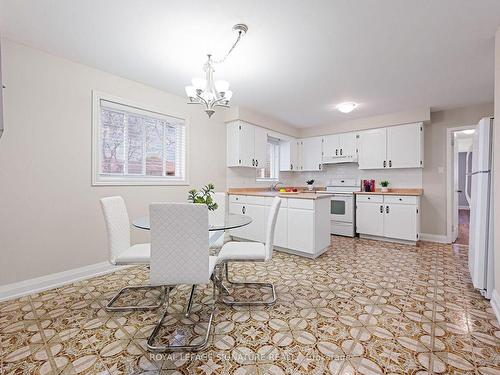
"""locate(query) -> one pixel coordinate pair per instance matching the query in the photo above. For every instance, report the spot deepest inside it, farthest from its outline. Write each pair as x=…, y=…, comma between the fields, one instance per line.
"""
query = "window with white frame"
x=271, y=169
x=136, y=146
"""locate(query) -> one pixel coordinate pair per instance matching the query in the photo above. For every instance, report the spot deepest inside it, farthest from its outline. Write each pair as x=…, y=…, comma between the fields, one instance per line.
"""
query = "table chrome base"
x=188, y=348
x=110, y=307
x=246, y=303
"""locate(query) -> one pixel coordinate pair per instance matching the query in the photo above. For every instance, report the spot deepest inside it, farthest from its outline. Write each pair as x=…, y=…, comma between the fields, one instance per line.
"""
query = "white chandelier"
x=207, y=92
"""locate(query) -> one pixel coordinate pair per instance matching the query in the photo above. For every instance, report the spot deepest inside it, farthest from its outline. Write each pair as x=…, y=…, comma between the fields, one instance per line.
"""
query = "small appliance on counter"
x=342, y=206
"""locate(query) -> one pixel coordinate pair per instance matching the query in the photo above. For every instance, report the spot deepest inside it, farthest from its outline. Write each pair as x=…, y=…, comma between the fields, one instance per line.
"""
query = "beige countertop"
x=267, y=193
x=408, y=192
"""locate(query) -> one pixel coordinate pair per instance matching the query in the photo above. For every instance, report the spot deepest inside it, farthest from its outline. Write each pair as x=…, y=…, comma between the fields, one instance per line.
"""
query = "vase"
x=309, y=187
x=384, y=189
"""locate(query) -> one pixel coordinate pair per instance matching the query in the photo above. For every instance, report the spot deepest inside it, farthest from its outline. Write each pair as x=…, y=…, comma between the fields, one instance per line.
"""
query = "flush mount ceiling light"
x=212, y=93
x=346, y=107
x=469, y=131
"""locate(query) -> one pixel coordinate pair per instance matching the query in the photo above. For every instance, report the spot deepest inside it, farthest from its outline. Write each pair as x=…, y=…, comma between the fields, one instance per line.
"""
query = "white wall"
x=50, y=218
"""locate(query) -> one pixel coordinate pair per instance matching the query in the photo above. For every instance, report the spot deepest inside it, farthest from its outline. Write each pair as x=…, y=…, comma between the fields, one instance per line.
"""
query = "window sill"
x=137, y=182
x=266, y=179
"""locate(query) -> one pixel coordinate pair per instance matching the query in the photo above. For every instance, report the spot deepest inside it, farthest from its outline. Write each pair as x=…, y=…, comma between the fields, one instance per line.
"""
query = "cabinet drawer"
x=237, y=199
x=369, y=198
x=303, y=204
x=402, y=199
x=258, y=201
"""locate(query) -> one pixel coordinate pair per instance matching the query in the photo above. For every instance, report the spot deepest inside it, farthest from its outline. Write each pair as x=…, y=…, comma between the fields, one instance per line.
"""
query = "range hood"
x=340, y=159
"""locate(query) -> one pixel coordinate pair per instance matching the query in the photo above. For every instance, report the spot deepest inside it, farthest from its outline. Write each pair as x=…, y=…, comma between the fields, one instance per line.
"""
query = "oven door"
x=341, y=208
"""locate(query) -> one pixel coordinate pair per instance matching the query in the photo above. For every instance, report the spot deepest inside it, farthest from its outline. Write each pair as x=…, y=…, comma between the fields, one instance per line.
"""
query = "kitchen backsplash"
x=398, y=178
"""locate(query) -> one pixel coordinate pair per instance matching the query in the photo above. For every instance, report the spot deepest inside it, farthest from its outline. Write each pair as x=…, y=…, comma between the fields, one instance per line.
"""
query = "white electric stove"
x=342, y=205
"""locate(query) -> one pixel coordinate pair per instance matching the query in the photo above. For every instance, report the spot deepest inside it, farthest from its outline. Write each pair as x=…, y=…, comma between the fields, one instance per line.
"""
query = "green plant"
x=384, y=183
x=204, y=196
x=310, y=182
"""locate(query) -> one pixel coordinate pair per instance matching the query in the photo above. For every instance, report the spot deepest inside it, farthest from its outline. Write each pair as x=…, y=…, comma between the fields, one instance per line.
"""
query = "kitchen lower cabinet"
x=302, y=226
x=400, y=221
x=388, y=217
x=370, y=218
x=301, y=230
x=281, y=230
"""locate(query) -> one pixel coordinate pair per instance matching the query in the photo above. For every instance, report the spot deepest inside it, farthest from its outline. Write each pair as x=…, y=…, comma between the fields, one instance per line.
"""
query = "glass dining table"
x=231, y=221
x=216, y=230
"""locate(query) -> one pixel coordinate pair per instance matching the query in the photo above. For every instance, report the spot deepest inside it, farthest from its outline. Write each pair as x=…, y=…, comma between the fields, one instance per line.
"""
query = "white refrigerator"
x=481, y=222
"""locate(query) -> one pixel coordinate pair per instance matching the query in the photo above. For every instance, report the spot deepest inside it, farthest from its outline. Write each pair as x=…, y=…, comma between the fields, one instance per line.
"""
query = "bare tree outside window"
x=134, y=143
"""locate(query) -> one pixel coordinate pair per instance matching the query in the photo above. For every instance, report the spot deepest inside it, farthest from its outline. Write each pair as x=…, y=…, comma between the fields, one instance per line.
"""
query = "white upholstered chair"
x=179, y=255
x=251, y=252
x=218, y=216
x=121, y=252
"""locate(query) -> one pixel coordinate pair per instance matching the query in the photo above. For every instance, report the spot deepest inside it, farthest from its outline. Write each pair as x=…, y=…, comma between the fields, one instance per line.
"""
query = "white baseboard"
x=495, y=303
x=39, y=284
x=433, y=238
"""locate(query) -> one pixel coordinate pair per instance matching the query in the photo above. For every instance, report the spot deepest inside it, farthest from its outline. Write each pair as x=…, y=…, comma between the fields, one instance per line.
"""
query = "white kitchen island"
x=302, y=227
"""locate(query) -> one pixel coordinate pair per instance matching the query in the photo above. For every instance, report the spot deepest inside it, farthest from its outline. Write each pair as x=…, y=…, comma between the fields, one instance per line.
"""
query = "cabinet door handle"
x=385, y=163
x=390, y=163
x=253, y=162
x=319, y=166
x=340, y=151
x=381, y=209
x=256, y=163
x=243, y=209
x=386, y=209
x=336, y=151
x=291, y=167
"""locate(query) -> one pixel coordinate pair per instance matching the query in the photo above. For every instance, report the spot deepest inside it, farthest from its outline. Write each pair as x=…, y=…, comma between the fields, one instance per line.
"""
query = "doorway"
x=461, y=142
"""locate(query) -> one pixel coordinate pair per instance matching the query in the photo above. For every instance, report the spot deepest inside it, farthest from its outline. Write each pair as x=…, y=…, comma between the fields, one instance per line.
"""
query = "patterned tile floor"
x=363, y=307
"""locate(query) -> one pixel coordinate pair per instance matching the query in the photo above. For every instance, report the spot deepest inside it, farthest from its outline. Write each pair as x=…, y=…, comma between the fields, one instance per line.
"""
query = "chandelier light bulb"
x=190, y=91
x=222, y=86
x=199, y=83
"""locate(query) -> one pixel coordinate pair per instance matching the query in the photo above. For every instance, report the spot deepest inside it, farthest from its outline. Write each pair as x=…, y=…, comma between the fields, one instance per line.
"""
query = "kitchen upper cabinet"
x=370, y=218
x=310, y=153
x=246, y=145
x=289, y=156
x=372, y=149
x=338, y=148
x=405, y=146
x=392, y=147
x=331, y=146
x=260, y=145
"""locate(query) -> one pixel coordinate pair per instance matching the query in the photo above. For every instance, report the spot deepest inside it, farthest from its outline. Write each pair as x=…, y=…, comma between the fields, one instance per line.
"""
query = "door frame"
x=450, y=170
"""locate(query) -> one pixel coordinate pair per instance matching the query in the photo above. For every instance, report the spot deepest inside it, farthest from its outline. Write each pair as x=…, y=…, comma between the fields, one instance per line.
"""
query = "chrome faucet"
x=275, y=185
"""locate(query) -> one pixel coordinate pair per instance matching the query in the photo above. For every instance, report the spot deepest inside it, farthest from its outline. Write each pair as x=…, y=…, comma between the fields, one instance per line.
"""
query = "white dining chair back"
x=218, y=216
x=117, y=225
x=271, y=225
x=179, y=244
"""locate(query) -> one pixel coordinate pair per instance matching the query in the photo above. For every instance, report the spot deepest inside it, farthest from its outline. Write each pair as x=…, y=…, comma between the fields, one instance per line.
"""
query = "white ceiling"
x=299, y=57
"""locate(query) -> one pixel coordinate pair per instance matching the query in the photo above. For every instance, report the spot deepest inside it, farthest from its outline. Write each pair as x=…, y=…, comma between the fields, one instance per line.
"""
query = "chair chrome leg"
x=110, y=307
x=248, y=303
x=172, y=348
x=190, y=302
